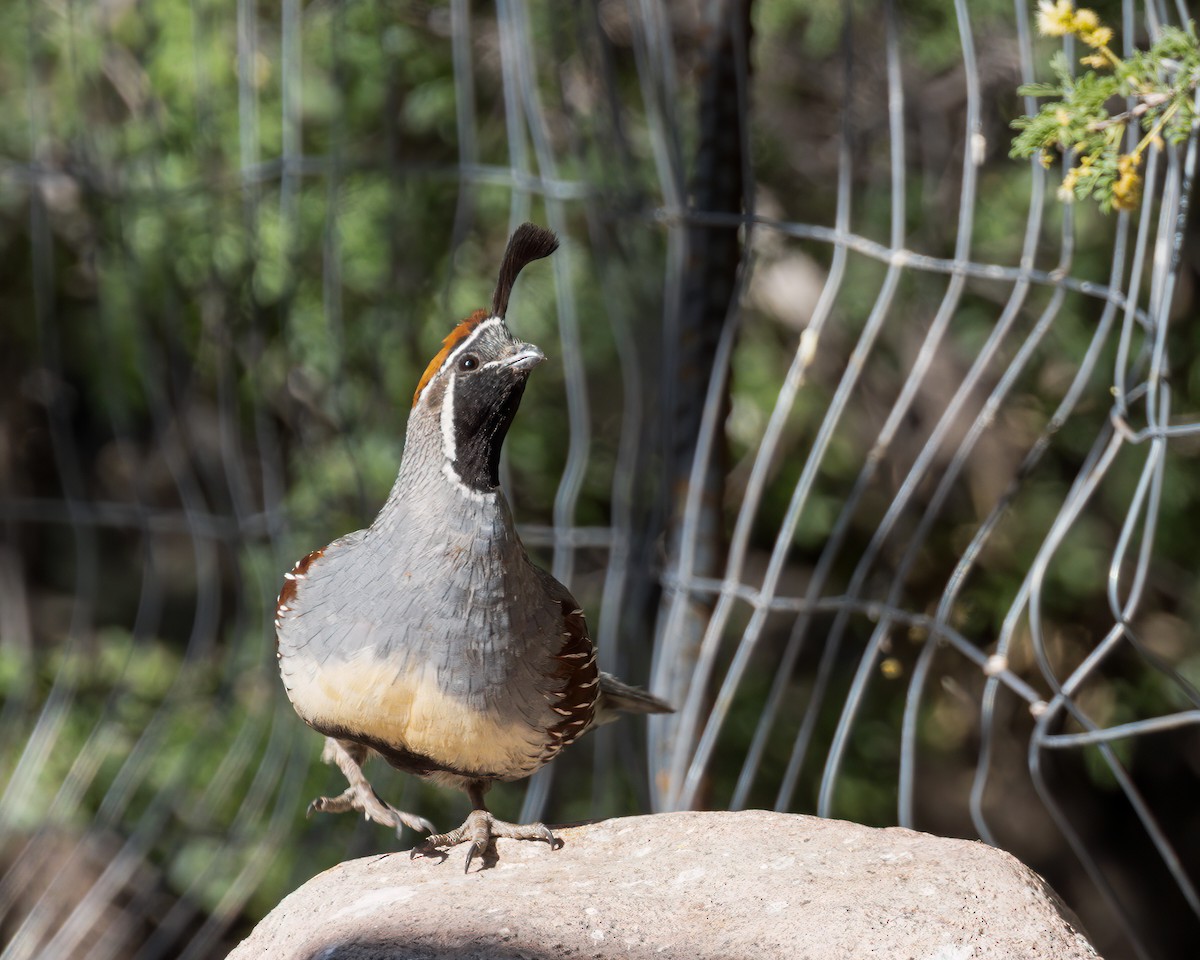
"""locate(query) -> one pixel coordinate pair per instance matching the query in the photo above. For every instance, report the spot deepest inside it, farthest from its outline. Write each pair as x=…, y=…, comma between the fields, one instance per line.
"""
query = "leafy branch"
x=1159, y=84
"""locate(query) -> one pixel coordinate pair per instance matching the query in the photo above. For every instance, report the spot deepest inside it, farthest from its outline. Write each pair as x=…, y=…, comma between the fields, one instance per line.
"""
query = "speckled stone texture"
x=688, y=885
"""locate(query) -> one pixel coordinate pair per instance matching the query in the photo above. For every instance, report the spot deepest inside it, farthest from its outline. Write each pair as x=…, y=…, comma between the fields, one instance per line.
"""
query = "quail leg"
x=360, y=795
x=480, y=828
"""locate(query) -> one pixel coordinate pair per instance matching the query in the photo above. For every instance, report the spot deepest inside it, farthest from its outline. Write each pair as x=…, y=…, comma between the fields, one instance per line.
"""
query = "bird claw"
x=367, y=802
x=476, y=848
x=481, y=828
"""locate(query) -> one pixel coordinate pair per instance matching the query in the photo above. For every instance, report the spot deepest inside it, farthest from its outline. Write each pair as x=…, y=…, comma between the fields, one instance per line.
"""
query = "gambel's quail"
x=430, y=637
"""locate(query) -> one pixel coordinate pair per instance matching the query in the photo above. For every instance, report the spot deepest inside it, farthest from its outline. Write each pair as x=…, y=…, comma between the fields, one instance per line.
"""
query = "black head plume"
x=529, y=242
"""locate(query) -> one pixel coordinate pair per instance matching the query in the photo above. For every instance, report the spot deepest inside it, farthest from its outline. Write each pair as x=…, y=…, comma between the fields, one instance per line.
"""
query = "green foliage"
x=192, y=266
x=1158, y=85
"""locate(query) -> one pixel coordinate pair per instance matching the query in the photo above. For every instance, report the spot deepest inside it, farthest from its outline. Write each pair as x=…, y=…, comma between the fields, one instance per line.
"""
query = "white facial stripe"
x=504, y=362
x=484, y=325
x=449, y=446
x=453, y=354
x=479, y=496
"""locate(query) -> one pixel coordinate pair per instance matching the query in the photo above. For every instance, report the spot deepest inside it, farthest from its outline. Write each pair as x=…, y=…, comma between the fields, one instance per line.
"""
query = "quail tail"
x=618, y=697
x=360, y=795
x=481, y=828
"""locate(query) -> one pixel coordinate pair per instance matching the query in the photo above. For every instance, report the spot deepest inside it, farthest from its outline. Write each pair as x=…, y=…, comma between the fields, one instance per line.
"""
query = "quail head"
x=430, y=637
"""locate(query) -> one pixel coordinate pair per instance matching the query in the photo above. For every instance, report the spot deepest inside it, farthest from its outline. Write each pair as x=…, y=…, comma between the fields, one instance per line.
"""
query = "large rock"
x=693, y=885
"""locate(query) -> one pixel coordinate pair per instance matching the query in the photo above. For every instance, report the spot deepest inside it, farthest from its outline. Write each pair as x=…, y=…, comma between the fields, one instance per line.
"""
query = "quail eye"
x=469, y=362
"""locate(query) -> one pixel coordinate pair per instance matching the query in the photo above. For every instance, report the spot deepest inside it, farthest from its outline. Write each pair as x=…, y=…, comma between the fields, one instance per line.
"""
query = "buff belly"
x=364, y=700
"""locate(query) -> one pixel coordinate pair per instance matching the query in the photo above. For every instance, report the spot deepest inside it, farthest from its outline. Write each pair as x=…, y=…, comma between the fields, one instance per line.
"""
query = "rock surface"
x=689, y=885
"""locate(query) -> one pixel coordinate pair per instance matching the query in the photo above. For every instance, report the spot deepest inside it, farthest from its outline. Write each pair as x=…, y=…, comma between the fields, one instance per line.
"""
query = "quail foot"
x=430, y=637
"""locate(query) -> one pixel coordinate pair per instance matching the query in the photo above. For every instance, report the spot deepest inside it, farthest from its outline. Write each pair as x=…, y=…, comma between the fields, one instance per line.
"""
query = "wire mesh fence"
x=855, y=444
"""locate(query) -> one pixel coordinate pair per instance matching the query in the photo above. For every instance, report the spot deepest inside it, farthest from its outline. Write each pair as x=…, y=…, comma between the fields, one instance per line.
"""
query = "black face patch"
x=485, y=403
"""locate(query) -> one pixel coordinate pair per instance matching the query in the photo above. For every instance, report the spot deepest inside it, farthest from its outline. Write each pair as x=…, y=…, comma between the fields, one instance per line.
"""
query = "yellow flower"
x=1127, y=191
x=1061, y=117
x=1095, y=60
x=1046, y=158
x=1055, y=18
x=1099, y=37
x=1066, y=190
x=1085, y=20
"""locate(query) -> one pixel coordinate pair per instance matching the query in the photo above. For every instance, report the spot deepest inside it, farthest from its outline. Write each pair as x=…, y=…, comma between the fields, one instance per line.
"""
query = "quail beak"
x=525, y=359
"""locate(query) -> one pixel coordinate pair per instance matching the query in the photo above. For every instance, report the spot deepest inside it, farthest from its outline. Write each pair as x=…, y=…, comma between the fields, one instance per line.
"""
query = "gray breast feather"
x=489, y=637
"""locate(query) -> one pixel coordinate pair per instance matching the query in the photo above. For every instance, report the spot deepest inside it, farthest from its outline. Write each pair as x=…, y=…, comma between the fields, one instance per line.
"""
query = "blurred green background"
x=231, y=236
